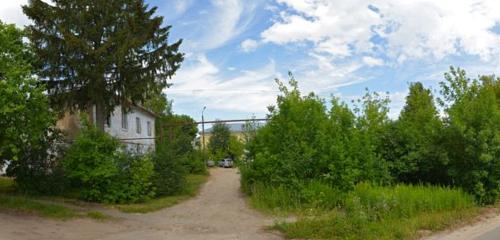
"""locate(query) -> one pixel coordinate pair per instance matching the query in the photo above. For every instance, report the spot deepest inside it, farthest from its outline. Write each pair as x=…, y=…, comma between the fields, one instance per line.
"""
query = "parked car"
x=226, y=163
x=210, y=163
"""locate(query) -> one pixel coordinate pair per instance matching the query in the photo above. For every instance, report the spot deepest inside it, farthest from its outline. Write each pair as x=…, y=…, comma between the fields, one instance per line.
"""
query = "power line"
x=222, y=90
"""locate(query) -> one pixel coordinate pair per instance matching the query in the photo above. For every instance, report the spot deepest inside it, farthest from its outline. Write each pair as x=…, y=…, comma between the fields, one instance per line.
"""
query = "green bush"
x=28, y=140
x=98, y=166
x=194, y=162
x=303, y=142
x=38, y=170
x=169, y=172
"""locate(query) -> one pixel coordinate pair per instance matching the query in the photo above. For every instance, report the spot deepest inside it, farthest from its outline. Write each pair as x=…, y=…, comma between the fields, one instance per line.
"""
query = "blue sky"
x=236, y=48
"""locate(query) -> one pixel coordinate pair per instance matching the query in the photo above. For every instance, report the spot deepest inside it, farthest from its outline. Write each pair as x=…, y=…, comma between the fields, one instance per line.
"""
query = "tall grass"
x=285, y=200
x=367, y=212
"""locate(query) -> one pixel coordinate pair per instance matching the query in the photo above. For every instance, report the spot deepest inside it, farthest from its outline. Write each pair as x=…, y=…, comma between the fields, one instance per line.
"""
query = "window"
x=138, y=125
x=108, y=121
x=149, y=128
x=124, y=119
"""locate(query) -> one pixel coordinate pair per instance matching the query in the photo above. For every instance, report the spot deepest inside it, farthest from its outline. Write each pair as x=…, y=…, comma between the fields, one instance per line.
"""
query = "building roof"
x=236, y=127
x=137, y=106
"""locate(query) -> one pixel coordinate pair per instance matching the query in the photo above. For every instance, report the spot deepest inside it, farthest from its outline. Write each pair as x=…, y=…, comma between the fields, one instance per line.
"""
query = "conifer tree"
x=101, y=53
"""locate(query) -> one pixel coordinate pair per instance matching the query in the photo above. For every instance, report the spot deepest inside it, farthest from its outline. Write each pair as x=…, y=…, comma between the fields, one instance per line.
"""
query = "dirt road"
x=218, y=212
x=487, y=229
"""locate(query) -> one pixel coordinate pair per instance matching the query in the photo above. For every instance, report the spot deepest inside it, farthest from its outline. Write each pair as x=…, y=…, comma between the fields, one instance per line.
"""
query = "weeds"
x=367, y=212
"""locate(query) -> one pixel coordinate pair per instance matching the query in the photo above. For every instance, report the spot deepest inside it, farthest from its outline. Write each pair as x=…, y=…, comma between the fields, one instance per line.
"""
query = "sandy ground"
x=218, y=212
x=486, y=229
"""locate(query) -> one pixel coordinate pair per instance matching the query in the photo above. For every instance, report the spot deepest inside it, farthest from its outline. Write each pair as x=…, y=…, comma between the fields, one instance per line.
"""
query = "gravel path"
x=486, y=229
x=218, y=212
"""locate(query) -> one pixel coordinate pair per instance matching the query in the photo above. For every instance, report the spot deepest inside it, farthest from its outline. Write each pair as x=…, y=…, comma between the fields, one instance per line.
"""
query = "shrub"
x=27, y=134
x=96, y=164
x=38, y=170
x=472, y=134
x=302, y=142
x=169, y=172
x=194, y=162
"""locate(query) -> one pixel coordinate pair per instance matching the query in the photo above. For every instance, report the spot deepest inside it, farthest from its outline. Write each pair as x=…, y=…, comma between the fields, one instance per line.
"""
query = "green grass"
x=367, y=212
x=10, y=201
x=28, y=205
x=97, y=215
x=337, y=225
x=6, y=185
x=193, y=184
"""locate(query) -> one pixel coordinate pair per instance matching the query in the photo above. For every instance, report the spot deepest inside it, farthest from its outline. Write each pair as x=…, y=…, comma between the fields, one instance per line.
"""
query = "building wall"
x=70, y=125
x=129, y=135
x=239, y=135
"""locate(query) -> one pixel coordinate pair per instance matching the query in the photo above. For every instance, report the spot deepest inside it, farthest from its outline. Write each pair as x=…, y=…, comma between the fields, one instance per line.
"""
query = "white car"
x=226, y=163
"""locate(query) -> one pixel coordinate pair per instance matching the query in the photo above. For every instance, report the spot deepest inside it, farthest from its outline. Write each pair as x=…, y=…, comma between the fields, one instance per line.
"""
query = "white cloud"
x=398, y=100
x=202, y=83
x=372, y=62
x=225, y=20
x=322, y=75
x=410, y=29
x=11, y=12
x=249, y=45
x=182, y=5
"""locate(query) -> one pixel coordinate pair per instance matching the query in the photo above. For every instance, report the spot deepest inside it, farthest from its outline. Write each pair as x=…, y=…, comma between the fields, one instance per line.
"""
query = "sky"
x=235, y=49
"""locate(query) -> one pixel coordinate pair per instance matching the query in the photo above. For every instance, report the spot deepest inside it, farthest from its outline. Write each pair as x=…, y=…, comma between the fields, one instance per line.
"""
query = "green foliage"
x=169, y=172
x=367, y=212
x=219, y=142
x=236, y=148
x=414, y=143
x=175, y=144
x=102, y=53
x=191, y=188
x=371, y=126
x=27, y=135
x=290, y=146
x=22, y=102
x=302, y=142
x=473, y=133
x=96, y=164
x=250, y=130
x=28, y=205
x=194, y=163
x=343, y=147
x=159, y=104
x=39, y=171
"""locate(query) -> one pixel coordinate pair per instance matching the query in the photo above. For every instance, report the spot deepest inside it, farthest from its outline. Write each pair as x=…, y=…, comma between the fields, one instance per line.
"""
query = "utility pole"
x=203, y=133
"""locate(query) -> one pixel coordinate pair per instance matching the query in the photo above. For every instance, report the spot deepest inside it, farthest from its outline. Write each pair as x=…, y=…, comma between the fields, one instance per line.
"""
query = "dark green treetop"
x=102, y=53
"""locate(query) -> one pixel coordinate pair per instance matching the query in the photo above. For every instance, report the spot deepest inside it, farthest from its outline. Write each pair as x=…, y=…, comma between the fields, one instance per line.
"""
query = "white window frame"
x=150, y=132
x=124, y=119
x=138, y=125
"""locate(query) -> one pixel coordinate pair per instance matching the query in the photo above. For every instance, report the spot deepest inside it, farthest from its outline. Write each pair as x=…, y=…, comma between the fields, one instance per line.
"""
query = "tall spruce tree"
x=101, y=53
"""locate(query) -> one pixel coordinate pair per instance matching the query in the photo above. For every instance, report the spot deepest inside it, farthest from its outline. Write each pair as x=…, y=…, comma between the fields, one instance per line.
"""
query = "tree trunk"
x=90, y=113
x=100, y=116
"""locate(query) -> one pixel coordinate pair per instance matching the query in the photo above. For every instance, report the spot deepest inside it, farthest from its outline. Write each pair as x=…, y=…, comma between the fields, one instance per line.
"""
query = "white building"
x=135, y=128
